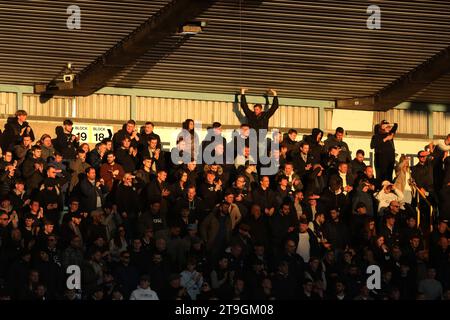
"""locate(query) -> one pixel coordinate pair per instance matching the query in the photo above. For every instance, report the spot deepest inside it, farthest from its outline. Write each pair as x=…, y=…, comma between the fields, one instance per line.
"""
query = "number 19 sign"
x=92, y=134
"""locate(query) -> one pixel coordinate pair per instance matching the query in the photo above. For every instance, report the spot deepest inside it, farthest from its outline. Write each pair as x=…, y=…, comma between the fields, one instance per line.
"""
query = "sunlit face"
x=210, y=178
x=8, y=156
x=26, y=141
x=22, y=118
x=51, y=172
x=339, y=136
x=293, y=136
x=47, y=142
x=148, y=128
x=240, y=182
x=153, y=143
x=37, y=153
x=257, y=110
x=265, y=182
x=126, y=143
x=305, y=149
x=49, y=228
x=359, y=157
x=380, y=241
x=74, y=205
x=102, y=148
x=343, y=168
x=229, y=198
x=130, y=128
x=288, y=169
x=369, y=172
x=184, y=177
x=110, y=158
x=191, y=193
x=162, y=176
x=191, y=166
x=303, y=227
x=191, y=125
x=82, y=156
x=91, y=175
x=34, y=206
x=394, y=206
x=68, y=127
x=147, y=163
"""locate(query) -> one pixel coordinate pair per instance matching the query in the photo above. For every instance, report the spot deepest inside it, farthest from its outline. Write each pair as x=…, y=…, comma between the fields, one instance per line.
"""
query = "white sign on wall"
x=92, y=134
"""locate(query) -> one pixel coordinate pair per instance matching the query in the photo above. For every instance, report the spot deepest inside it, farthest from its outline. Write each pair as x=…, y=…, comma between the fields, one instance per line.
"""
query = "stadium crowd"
x=142, y=227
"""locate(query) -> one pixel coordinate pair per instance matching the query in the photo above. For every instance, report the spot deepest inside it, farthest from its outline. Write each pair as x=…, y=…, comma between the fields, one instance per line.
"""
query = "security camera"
x=68, y=73
x=68, y=77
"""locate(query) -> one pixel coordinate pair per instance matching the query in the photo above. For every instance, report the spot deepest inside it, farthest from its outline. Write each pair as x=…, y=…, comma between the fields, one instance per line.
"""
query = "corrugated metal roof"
x=306, y=49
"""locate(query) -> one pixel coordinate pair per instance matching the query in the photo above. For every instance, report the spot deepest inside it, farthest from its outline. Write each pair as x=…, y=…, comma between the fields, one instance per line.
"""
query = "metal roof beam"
x=404, y=87
x=158, y=27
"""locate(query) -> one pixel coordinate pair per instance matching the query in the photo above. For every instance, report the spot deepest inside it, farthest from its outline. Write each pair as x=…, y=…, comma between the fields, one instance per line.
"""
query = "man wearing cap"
x=337, y=140
x=387, y=194
x=383, y=143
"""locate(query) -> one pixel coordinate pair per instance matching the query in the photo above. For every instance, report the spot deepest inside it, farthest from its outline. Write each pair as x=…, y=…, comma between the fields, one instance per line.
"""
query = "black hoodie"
x=11, y=135
x=316, y=149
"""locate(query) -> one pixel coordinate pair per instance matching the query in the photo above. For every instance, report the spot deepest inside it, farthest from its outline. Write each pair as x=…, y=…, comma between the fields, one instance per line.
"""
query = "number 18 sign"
x=92, y=134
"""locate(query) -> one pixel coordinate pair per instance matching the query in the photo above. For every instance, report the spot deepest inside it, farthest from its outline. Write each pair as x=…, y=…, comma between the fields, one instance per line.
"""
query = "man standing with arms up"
x=258, y=119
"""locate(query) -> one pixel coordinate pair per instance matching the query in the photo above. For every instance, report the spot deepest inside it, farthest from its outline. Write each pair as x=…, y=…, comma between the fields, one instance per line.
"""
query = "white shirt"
x=303, y=246
x=144, y=294
x=344, y=181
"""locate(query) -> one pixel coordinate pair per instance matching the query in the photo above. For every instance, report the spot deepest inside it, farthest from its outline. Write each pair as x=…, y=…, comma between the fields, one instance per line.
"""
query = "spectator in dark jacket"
x=33, y=169
x=336, y=232
x=91, y=191
x=337, y=140
x=357, y=165
x=15, y=128
x=265, y=197
x=22, y=150
x=96, y=157
x=126, y=156
x=215, y=231
x=147, y=133
x=258, y=119
x=128, y=130
x=66, y=142
x=383, y=143
x=316, y=146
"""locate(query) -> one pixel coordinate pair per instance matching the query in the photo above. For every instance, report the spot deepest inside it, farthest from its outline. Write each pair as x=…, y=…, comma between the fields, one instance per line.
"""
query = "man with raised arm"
x=258, y=119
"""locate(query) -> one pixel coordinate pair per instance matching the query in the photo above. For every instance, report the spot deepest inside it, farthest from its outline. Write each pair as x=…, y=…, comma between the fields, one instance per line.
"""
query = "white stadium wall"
x=110, y=111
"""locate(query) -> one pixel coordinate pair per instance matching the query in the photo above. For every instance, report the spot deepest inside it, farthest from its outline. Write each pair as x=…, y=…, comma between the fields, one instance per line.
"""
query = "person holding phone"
x=383, y=143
